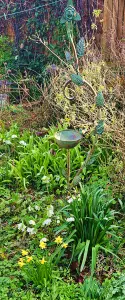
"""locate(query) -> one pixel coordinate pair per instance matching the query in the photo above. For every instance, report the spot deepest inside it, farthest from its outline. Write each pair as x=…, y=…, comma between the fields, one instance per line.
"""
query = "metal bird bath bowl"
x=68, y=138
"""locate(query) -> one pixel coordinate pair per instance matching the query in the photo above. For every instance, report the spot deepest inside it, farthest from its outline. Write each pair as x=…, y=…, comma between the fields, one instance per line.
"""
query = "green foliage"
x=114, y=288
x=35, y=161
x=5, y=53
x=32, y=161
x=91, y=217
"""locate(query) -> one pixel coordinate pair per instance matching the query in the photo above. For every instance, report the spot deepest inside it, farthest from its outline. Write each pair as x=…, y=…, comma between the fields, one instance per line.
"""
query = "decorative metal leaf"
x=100, y=127
x=62, y=20
x=80, y=47
x=77, y=79
x=77, y=17
x=70, y=14
x=68, y=55
x=99, y=99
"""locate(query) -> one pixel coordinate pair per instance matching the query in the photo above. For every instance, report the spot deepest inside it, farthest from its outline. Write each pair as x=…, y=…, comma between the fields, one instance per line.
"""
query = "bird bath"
x=68, y=139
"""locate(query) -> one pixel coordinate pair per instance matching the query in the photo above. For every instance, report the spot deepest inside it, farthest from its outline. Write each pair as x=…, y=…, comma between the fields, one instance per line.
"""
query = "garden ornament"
x=70, y=138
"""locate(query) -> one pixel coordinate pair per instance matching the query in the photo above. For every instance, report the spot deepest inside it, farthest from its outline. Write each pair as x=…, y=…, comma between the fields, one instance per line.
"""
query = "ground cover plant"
x=58, y=240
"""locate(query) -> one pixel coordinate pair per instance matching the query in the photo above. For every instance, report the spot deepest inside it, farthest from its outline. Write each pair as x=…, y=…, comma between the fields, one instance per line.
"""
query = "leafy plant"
x=40, y=267
x=5, y=53
x=114, y=288
x=91, y=217
x=35, y=161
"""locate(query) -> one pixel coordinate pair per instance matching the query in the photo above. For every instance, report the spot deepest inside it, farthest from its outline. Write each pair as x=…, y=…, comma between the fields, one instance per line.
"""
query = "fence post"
x=121, y=19
x=107, y=26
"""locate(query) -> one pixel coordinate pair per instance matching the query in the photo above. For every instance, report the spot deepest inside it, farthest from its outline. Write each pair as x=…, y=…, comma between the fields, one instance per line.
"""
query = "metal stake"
x=68, y=168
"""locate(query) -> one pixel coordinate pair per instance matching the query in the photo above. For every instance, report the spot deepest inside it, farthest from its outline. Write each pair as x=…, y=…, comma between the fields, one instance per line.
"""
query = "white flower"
x=50, y=211
x=7, y=142
x=14, y=136
x=31, y=230
x=58, y=221
x=37, y=207
x=57, y=178
x=45, y=179
x=71, y=219
x=21, y=227
x=29, y=208
x=47, y=222
x=70, y=200
x=44, y=240
x=22, y=143
x=32, y=222
x=79, y=199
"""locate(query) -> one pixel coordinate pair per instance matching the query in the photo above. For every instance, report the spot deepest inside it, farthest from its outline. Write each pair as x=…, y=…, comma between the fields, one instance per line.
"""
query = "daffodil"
x=29, y=258
x=42, y=245
x=24, y=252
x=21, y=263
x=3, y=255
x=58, y=240
x=64, y=245
x=43, y=261
x=21, y=259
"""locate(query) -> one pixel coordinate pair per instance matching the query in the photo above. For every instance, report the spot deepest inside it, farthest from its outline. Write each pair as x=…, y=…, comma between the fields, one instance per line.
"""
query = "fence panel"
x=113, y=38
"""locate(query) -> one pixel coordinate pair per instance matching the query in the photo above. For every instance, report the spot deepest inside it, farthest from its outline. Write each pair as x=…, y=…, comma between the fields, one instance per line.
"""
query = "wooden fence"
x=113, y=38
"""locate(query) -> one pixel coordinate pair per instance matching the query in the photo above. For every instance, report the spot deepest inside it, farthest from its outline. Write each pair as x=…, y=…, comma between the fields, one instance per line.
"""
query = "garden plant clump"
x=58, y=240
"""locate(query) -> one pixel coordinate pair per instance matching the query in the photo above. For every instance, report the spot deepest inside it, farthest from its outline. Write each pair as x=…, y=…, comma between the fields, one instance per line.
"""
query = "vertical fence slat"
x=107, y=25
x=124, y=23
x=114, y=27
x=120, y=19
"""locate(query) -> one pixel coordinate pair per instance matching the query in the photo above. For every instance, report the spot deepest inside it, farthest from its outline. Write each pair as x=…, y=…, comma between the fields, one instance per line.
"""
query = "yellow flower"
x=24, y=252
x=43, y=261
x=3, y=255
x=64, y=245
x=21, y=263
x=42, y=245
x=58, y=240
x=21, y=259
x=29, y=258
